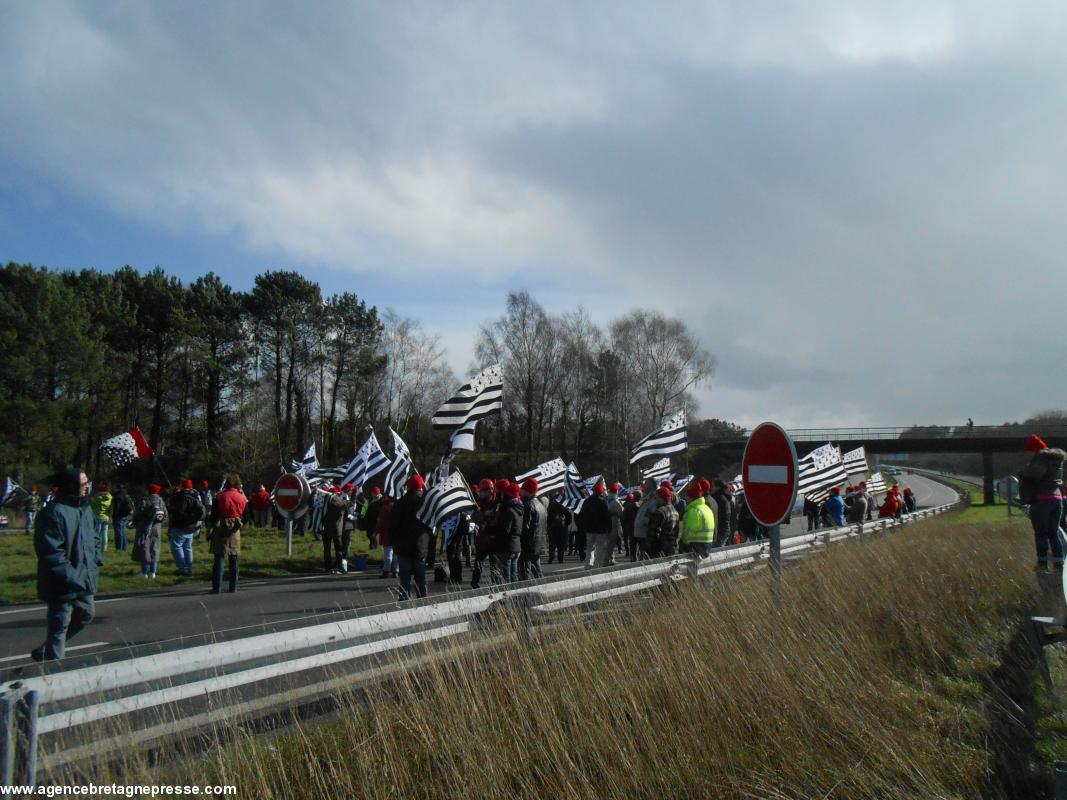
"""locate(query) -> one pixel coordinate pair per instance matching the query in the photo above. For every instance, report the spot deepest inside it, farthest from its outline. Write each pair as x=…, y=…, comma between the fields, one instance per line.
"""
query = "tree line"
x=221, y=379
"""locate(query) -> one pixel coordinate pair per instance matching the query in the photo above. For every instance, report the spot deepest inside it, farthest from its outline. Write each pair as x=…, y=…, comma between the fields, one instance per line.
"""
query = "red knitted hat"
x=187, y=483
x=154, y=488
x=377, y=492
x=415, y=482
x=203, y=485
x=485, y=485
x=530, y=485
x=616, y=486
x=511, y=491
x=694, y=490
x=599, y=489
x=1035, y=443
x=664, y=494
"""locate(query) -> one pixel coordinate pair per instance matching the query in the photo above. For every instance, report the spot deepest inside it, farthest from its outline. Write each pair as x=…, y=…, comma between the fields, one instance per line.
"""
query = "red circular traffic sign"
x=769, y=474
x=291, y=493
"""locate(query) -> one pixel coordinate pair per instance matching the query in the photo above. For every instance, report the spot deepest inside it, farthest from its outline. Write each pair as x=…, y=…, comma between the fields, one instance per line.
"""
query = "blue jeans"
x=65, y=619
x=30, y=516
x=101, y=533
x=181, y=547
x=120, y=535
x=389, y=560
x=509, y=566
x=409, y=567
x=1045, y=518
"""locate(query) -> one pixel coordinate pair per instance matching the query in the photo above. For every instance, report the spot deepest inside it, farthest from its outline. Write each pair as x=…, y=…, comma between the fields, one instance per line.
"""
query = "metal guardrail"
x=921, y=431
x=50, y=705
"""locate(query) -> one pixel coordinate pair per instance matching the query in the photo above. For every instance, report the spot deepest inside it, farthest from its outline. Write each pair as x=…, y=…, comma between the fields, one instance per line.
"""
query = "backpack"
x=185, y=511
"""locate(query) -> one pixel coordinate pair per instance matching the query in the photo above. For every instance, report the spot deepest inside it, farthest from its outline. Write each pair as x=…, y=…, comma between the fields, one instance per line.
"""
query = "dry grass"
x=867, y=680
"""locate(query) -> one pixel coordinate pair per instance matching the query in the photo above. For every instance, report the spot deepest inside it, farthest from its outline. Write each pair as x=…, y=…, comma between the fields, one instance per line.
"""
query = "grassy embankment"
x=262, y=555
x=883, y=672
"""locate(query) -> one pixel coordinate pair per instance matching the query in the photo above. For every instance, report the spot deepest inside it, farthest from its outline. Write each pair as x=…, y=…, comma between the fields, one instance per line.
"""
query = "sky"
x=858, y=208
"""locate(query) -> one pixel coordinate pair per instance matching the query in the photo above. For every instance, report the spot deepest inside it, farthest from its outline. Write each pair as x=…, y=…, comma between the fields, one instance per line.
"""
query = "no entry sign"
x=291, y=494
x=769, y=474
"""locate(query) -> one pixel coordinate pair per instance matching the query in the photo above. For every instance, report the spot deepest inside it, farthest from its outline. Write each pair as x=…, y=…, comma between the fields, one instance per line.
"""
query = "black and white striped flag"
x=668, y=438
x=658, y=471
x=463, y=438
x=820, y=469
x=737, y=486
x=855, y=461
x=370, y=459
x=876, y=484
x=10, y=491
x=574, y=489
x=479, y=398
x=307, y=464
x=679, y=482
x=400, y=470
x=447, y=497
x=550, y=476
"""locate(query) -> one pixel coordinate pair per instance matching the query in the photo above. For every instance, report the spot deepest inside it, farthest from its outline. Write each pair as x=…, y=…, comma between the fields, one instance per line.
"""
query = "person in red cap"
x=629, y=516
x=835, y=508
x=368, y=517
x=662, y=533
x=410, y=538
x=101, y=505
x=186, y=513
x=482, y=521
x=30, y=507
x=260, y=502
x=1041, y=487
x=149, y=518
x=207, y=497
x=532, y=538
x=614, y=503
x=559, y=522
x=506, y=531
x=595, y=521
x=333, y=518
x=890, y=506
x=224, y=532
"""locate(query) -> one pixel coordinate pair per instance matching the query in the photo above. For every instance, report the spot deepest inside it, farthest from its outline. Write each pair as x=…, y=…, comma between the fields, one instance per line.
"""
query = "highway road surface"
x=134, y=624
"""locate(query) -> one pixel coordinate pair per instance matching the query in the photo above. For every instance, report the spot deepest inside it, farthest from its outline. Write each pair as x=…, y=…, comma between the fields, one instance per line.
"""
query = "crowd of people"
x=856, y=504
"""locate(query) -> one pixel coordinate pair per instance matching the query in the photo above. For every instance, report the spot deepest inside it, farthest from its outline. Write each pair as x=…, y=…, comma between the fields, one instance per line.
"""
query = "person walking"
x=186, y=514
x=333, y=516
x=121, y=509
x=69, y=556
x=410, y=538
x=629, y=515
x=611, y=499
x=559, y=520
x=697, y=527
x=662, y=533
x=368, y=520
x=1041, y=487
x=149, y=518
x=646, y=508
x=857, y=510
x=595, y=520
x=506, y=532
x=31, y=505
x=101, y=505
x=724, y=502
x=835, y=508
x=532, y=539
x=224, y=534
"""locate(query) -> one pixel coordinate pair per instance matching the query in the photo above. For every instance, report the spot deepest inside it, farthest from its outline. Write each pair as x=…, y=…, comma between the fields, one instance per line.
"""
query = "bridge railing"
x=79, y=714
x=889, y=433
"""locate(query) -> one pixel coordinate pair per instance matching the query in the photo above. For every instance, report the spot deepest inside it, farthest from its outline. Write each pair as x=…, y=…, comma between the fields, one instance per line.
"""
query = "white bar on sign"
x=768, y=474
x=288, y=492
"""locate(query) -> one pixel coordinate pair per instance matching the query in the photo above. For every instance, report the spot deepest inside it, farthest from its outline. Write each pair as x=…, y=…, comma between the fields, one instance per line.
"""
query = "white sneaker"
x=344, y=566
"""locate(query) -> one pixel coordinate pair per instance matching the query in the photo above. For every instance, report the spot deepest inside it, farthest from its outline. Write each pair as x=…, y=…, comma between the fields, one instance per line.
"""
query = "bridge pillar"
x=987, y=477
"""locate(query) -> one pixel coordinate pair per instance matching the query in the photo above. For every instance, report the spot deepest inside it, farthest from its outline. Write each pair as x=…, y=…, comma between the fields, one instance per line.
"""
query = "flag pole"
x=156, y=461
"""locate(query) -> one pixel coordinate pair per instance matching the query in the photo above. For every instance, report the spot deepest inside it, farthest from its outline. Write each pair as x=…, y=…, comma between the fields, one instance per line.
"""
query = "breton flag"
x=400, y=469
x=737, y=486
x=679, y=482
x=876, y=484
x=855, y=461
x=447, y=497
x=126, y=447
x=550, y=476
x=463, y=438
x=667, y=439
x=369, y=460
x=820, y=469
x=9, y=491
x=479, y=398
x=661, y=469
x=310, y=462
x=574, y=489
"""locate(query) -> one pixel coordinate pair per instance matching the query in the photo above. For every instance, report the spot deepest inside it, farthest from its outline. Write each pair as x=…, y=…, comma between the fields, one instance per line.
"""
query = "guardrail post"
x=18, y=738
x=7, y=738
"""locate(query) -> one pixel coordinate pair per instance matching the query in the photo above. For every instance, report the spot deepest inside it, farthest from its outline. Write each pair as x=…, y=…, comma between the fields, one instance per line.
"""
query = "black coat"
x=507, y=527
x=594, y=517
x=559, y=517
x=408, y=536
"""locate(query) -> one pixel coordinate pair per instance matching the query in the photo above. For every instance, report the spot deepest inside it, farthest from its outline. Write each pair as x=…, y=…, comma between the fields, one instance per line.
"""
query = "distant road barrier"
x=183, y=691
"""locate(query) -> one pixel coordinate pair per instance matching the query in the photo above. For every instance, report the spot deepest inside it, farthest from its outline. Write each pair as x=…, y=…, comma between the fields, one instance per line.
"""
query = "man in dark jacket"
x=594, y=520
x=662, y=537
x=559, y=522
x=369, y=519
x=531, y=541
x=724, y=502
x=629, y=517
x=410, y=538
x=186, y=513
x=68, y=562
x=333, y=517
x=506, y=532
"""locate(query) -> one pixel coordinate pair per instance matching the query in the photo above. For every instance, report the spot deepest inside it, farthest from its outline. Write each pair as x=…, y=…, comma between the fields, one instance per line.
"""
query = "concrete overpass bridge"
x=984, y=440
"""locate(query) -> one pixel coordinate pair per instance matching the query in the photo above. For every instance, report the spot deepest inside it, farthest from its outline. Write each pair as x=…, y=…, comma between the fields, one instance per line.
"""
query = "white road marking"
x=75, y=647
x=43, y=608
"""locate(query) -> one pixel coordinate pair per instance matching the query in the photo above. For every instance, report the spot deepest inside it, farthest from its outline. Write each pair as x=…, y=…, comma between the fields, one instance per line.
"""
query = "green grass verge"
x=979, y=513
x=262, y=555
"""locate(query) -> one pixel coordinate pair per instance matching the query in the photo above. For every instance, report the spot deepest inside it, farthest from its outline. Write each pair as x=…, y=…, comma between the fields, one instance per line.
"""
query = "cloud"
x=857, y=207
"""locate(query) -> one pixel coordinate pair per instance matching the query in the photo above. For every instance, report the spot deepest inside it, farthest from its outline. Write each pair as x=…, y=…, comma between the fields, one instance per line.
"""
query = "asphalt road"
x=151, y=621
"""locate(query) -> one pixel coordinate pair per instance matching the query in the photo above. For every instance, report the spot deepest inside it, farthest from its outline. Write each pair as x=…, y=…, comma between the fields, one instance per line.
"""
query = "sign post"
x=291, y=495
x=769, y=476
